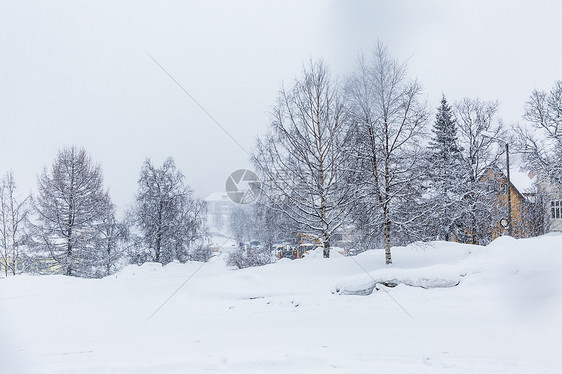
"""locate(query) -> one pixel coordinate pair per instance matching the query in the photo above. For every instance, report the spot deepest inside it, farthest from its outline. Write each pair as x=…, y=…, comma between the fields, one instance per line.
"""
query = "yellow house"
x=523, y=209
x=33, y=265
x=44, y=265
x=6, y=266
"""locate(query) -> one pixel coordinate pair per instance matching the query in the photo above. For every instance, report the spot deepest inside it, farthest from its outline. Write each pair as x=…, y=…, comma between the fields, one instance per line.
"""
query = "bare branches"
x=388, y=115
x=303, y=155
x=71, y=206
x=475, y=118
x=169, y=219
x=14, y=211
x=543, y=146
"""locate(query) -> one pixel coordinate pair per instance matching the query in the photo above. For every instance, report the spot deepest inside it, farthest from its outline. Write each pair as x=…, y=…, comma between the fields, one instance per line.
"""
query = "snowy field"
x=456, y=309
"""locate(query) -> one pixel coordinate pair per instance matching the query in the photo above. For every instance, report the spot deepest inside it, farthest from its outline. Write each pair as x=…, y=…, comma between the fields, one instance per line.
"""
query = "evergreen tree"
x=444, y=142
x=446, y=173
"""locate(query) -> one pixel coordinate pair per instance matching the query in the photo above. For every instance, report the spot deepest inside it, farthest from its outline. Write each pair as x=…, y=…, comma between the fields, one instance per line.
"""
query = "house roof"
x=523, y=181
x=217, y=196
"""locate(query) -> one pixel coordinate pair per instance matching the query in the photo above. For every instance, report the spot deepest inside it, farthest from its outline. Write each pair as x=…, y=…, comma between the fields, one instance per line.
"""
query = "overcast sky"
x=78, y=73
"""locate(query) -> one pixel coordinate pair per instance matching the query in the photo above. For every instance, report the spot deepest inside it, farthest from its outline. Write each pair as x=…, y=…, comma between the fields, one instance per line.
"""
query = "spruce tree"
x=446, y=174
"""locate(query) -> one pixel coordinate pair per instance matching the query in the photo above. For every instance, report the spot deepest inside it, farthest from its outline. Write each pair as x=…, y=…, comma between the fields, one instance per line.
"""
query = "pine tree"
x=446, y=173
x=444, y=142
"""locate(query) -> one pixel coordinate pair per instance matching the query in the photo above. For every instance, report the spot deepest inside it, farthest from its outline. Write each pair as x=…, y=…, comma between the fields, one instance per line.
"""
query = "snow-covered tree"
x=301, y=160
x=272, y=226
x=540, y=139
x=388, y=116
x=447, y=176
x=478, y=127
x=14, y=212
x=71, y=207
x=169, y=220
x=242, y=223
x=543, y=145
x=110, y=242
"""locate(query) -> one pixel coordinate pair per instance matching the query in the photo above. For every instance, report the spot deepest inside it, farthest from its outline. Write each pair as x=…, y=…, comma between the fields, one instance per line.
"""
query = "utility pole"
x=510, y=223
x=510, y=227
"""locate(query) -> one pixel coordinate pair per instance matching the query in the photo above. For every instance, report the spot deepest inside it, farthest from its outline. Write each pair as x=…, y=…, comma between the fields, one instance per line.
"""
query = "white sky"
x=77, y=72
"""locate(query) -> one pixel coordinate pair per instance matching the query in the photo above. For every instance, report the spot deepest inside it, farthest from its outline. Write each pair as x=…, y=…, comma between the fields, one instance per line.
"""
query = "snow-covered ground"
x=494, y=309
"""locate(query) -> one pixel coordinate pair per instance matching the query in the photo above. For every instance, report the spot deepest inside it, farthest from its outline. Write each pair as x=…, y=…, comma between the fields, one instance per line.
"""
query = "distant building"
x=219, y=208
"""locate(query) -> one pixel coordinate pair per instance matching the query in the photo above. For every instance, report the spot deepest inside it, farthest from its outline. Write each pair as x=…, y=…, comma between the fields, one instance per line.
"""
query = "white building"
x=552, y=194
x=219, y=207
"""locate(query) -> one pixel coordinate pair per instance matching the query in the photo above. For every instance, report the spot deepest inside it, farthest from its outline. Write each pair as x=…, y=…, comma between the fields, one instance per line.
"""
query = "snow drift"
x=502, y=315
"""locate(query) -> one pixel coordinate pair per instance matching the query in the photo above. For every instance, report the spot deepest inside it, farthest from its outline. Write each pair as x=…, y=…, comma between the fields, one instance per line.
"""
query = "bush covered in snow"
x=244, y=258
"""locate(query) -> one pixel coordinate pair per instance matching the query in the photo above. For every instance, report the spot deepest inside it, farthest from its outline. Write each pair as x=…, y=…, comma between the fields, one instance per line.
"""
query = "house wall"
x=551, y=193
x=555, y=224
x=522, y=224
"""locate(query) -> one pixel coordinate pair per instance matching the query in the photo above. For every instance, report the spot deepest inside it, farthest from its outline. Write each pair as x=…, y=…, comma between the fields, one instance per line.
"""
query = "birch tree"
x=388, y=116
x=302, y=158
x=110, y=241
x=476, y=118
x=168, y=219
x=14, y=212
x=540, y=139
x=543, y=143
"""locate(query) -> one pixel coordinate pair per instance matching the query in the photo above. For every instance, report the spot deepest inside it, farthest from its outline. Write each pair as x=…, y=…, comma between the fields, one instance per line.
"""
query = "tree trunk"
x=69, y=249
x=325, y=237
x=158, y=246
x=386, y=213
x=388, y=256
x=69, y=259
x=326, y=251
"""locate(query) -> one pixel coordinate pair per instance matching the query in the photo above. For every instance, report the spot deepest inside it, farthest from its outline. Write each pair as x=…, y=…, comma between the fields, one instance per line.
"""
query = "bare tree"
x=110, y=241
x=478, y=125
x=192, y=235
x=388, y=118
x=543, y=145
x=242, y=223
x=302, y=158
x=13, y=233
x=169, y=219
x=71, y=205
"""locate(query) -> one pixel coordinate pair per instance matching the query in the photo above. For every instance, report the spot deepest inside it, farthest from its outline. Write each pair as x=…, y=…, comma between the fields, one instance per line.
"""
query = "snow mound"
x=318, y=253
x=436, y=276
x=142, y=271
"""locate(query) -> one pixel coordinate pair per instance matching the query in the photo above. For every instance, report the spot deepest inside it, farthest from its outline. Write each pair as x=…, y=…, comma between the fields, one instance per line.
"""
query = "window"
x=492, y=186
x=503, y=188
x=556, y=209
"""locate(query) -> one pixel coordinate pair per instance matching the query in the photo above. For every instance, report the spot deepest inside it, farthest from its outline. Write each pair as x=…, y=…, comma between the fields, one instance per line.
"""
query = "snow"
x=523, y=181
x=502, y=316
x=218, y=197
